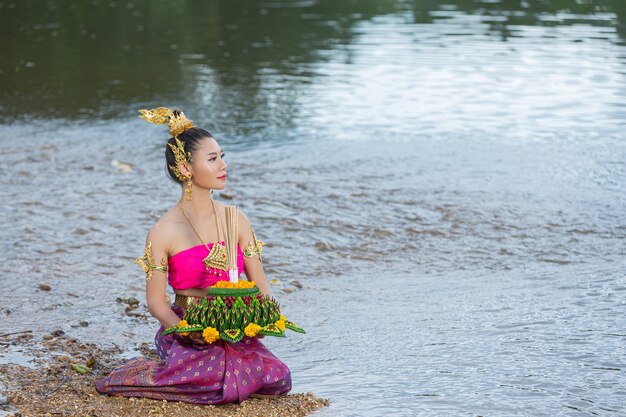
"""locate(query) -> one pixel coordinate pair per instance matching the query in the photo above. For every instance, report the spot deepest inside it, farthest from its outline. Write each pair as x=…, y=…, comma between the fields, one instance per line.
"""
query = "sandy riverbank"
x=58, y=382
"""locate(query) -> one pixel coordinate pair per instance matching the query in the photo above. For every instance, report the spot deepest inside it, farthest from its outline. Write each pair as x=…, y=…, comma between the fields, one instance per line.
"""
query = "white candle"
x=234, y=276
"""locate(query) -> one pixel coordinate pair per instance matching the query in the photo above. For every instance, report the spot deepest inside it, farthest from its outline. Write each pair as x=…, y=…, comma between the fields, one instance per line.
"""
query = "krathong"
x=231, y=311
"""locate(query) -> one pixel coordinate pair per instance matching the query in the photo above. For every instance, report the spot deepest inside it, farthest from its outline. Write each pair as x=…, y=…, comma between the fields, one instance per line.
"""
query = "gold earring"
x=188, y=189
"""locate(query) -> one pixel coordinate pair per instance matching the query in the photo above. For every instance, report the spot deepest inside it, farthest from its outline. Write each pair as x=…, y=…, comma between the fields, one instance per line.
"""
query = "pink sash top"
x=186, y=269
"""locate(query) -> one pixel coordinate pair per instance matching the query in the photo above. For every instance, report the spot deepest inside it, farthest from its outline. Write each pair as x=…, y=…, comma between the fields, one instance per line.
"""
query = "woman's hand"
x=192, y=339
x=197, y=338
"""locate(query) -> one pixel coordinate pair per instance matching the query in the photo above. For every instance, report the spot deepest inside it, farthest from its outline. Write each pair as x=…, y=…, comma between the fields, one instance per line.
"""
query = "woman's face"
x=208, y=168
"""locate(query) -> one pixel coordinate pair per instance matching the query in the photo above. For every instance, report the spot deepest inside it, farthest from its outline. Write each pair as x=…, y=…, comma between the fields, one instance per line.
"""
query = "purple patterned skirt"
x=218, y=373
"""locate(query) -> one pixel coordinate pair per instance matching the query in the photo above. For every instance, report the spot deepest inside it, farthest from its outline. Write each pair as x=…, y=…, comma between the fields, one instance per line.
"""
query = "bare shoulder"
x=164, y=229
x=245, y=226
x=243, y=219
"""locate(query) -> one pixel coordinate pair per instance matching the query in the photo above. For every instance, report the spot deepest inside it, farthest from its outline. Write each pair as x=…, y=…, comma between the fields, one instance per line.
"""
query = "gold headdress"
x=177, y=123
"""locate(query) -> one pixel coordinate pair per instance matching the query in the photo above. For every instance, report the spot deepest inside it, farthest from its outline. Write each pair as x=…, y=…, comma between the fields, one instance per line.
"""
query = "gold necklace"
x=217, y=257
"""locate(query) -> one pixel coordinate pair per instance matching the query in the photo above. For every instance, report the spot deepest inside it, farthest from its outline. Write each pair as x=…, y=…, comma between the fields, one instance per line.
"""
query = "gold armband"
x=147, y=265
x=254, y=248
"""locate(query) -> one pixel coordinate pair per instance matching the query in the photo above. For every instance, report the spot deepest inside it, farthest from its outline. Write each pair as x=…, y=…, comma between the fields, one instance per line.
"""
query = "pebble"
x=44, y=287
x=124, y=167
x=132, y=301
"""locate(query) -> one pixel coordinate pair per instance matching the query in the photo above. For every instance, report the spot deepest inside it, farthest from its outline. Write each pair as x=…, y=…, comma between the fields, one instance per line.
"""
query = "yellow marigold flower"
x=210, y=334
x=283, y=318
x=252, y=330
x=281, y=325
x=239, y=284
x=183, y=323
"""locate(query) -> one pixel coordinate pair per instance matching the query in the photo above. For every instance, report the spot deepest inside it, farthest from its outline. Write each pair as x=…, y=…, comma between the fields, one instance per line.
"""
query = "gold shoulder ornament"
x=147, y=265
x=254, y=248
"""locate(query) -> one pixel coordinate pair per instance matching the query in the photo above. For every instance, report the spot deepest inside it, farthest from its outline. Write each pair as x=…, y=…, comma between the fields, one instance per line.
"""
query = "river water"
x=444, y=179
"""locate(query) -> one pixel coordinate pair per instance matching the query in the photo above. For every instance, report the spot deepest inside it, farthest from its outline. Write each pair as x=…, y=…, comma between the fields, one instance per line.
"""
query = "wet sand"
x=57, y=382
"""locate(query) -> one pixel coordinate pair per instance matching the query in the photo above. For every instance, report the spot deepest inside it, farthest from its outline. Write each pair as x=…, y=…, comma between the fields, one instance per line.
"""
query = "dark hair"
x=191, y=138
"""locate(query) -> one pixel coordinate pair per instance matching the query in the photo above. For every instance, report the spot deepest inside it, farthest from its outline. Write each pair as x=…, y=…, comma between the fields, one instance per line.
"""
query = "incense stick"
x=231, y=234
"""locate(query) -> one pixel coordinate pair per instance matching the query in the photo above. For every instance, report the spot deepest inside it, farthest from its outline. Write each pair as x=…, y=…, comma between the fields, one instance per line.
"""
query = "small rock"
x=48, y=337
x=44, y=287
x=57, y=333
x=288, y=290
x=136, y=315
x=296, y=284
x=132, y=301
x=124, y=167
x=83, y=323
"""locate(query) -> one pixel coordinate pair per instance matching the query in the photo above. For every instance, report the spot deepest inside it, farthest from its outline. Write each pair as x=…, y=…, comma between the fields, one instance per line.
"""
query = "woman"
x=185, y=249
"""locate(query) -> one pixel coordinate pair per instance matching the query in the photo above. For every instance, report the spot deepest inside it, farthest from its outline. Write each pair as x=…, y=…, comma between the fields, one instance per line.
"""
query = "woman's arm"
x=156, y=281
x=253, y=267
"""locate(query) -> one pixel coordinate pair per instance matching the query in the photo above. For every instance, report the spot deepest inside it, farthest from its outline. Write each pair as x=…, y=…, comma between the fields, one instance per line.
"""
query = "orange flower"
x=238, y=285
x=210, y=334
x=183, y=323
x=281, y=325
x=252, y=330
